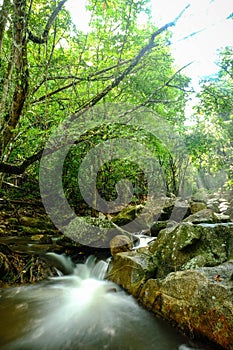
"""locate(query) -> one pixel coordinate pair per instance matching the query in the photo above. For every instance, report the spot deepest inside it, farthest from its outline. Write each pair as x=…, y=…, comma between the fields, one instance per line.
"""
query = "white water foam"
x=81, y=311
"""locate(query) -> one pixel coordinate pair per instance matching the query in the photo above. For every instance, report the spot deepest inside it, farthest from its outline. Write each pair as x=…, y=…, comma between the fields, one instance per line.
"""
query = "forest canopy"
x=50, y=70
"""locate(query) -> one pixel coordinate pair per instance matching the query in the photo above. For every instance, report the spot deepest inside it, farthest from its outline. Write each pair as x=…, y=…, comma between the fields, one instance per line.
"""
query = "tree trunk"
x=19, y=61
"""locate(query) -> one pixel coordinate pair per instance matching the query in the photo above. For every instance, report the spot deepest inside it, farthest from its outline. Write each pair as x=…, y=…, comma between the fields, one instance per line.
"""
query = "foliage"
x=50, y=70
x=210, y=141
x=114, y=170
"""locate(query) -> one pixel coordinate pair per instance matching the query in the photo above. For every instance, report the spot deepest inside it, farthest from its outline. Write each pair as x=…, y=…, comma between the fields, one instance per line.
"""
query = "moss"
x=187, y=236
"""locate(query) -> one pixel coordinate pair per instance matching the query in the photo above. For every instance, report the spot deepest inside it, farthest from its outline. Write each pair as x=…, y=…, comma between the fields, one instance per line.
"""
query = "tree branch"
x=145, y=49
x=44, y=38
x=3, y=20
x=19, y=169
x=225, y=70
x=150, y=99
x=91, y=77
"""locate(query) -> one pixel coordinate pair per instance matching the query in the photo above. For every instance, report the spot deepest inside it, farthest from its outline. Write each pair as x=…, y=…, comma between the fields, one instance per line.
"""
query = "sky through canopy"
x=209, y=19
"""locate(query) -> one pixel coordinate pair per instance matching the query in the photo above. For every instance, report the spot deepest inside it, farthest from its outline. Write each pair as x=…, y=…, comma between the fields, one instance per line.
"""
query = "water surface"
x=81, y=311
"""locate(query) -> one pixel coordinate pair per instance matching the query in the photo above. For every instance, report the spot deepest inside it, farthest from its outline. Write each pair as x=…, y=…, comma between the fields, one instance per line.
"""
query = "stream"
x=81, y=311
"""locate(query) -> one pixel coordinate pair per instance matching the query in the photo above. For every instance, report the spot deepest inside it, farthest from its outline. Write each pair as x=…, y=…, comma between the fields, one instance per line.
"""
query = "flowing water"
x=80, y=311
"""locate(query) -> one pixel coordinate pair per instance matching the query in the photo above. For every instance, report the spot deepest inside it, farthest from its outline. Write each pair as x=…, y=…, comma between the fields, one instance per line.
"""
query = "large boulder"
x=199, y=301
x=186, y=277
x=131, y=269
x=90, y=231
x=203, y=216
x=188, y=246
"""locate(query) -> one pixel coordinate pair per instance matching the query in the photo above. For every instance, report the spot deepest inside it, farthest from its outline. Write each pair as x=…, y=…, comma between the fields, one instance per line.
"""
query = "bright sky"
x=207, y=16
x=216, y=32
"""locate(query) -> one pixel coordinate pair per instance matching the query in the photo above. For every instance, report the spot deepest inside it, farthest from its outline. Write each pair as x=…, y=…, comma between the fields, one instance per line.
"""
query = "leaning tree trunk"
x=17, y=74
x=14, y=87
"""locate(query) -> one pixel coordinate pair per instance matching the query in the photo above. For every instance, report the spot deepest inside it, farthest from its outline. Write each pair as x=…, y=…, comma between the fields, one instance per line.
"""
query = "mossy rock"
x=127, y=215
x=132, y=269
x=191, y=246
x=35, y=222
x=90, y=231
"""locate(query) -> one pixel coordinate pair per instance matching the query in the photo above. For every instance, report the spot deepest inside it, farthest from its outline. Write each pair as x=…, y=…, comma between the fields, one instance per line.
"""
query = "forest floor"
x=26, y=235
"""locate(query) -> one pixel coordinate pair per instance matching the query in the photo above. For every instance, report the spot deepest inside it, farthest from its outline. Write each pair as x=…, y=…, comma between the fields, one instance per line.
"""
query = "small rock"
x=42, y=239
x=35, y=222
x=120, y=243
x=197, y=206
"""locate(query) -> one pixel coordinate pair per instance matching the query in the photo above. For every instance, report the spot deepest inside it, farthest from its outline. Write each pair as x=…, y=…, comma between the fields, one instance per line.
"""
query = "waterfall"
x=80, y=311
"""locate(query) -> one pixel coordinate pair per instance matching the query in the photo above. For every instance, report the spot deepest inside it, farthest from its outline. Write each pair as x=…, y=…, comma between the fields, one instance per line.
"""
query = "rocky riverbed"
x=184, y=273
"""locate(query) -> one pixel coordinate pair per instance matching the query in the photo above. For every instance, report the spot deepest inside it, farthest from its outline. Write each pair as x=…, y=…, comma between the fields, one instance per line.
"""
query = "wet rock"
x=35, y=222
x=29, y=231
x=45, y=239
x=196, y=301
x=131, y=269
x=199, y=301
x=120, y=243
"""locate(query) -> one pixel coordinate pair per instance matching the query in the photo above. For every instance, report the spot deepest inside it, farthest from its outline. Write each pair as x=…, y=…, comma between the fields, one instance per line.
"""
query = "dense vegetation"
x=51, y=70
x=210, y=140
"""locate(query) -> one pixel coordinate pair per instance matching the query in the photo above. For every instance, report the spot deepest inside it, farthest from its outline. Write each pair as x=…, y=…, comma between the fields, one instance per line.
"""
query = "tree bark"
x=3, y=21
x=19, y=61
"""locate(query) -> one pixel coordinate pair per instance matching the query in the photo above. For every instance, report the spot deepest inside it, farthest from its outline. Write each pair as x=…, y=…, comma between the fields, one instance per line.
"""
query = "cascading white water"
x=81, y=311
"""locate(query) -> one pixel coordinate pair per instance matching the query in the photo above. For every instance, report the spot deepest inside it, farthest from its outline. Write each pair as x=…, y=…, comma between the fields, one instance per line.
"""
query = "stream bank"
x=184, y=275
